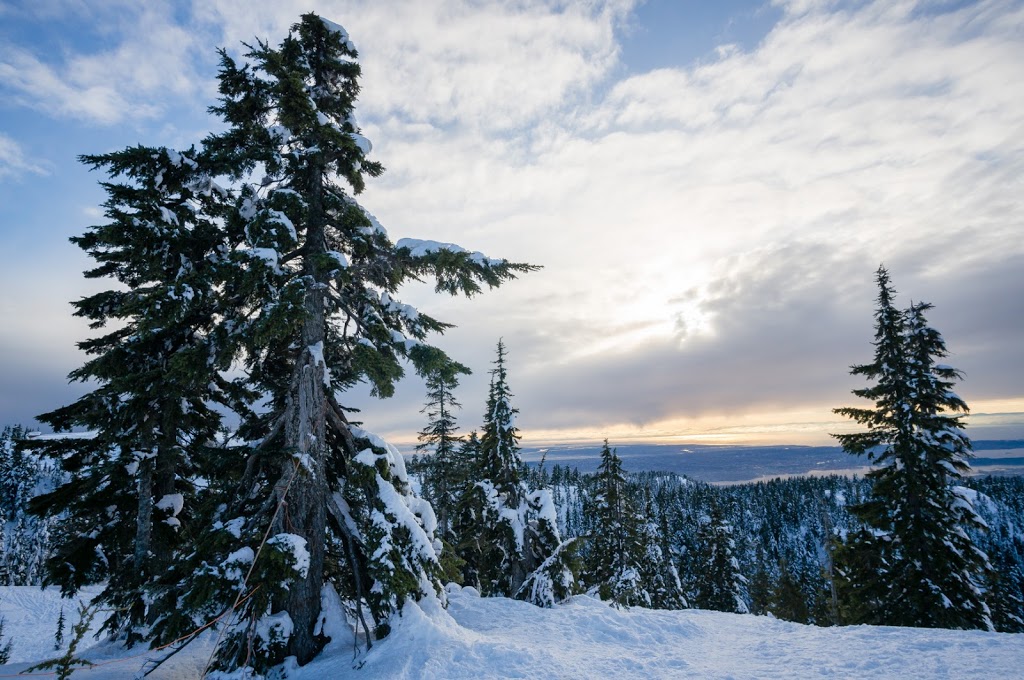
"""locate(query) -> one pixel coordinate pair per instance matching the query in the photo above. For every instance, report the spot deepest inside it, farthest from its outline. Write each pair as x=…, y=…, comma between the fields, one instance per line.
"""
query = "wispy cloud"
x=143, y=64
x=14, y=162
x=496, y=66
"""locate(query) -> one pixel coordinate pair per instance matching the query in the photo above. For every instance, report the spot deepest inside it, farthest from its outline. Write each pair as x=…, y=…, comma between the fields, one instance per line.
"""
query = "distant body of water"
x=725, y=463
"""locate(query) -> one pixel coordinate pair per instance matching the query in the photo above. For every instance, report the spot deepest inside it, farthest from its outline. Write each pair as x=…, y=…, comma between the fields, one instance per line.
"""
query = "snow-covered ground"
x=584, y=638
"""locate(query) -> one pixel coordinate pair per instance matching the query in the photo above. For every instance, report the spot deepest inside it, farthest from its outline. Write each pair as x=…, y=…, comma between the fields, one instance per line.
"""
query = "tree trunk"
x=305, y=436
x=165, y=469
x=304, y=509
x=144, y=518
x=143, y=535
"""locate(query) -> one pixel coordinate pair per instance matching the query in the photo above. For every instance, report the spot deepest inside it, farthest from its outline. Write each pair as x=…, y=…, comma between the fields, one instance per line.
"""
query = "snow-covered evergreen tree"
x=617, y=550
x=443, y=475
x=1006, y=597
x=508, y=535
x=658, y=571
x=914, y=563
x=719, y=584
x=787, y=601
x=126, y=496
x=313, y=277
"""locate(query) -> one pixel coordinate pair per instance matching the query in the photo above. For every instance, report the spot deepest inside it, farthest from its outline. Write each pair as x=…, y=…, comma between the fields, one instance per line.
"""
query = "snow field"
x=479, y=638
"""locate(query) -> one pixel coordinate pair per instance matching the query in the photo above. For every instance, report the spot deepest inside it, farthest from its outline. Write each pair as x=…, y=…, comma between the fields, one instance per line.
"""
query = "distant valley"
x=732, y=463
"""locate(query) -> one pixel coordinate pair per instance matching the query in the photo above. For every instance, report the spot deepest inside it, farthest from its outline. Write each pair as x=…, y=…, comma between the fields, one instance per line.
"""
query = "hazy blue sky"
x=708, y=185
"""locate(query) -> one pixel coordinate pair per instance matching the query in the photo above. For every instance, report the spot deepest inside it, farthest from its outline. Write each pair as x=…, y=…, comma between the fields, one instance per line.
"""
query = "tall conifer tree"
x=287, y=276
x=128, y=493
x=442, y=475
x=314, y=279
x=508, y=535
x=616, y=550
x=914, y=563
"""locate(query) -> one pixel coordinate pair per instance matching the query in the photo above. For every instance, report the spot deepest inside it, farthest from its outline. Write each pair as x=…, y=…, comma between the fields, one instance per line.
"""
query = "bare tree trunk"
x=305, y=435
x=304, y=510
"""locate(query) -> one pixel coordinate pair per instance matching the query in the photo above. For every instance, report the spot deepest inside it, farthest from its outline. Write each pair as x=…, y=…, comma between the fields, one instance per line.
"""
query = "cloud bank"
x=708, y=231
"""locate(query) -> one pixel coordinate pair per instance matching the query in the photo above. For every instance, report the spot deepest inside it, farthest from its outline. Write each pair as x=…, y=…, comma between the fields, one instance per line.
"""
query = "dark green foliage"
x=490, y=508
x=445, y=470
x=759, y=589
x=615, y=548
x=58, y=636
x=499, y=439
x=5, y=650
x=157, y=384
x=914, y=563
x=787, y=600
x=507, y=535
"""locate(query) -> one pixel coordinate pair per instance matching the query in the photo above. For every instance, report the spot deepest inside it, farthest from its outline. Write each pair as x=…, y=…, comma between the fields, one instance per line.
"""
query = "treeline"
x=778, y=537
x=910, y=545
x=24, y=537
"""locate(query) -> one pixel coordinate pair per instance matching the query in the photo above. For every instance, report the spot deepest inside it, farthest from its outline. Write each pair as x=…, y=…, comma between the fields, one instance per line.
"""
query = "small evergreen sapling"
x=64, y=665
x=58, y=636
x=5, y=650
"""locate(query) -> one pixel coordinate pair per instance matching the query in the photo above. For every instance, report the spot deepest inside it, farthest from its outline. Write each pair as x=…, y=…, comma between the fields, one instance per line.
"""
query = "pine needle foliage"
x=914, y=562
x=443, y=474
x=616, y=551
x=508, y=535
x=158, y=384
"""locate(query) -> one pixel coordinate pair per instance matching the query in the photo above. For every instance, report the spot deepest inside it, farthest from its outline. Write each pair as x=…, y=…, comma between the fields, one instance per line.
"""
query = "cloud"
x=492, y=65
x=143, y=65
x=496, y=66
x=708, y=232
x=13, y=161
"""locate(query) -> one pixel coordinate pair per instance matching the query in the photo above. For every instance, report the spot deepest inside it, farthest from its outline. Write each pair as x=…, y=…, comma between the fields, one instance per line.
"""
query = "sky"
x=709, y=188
